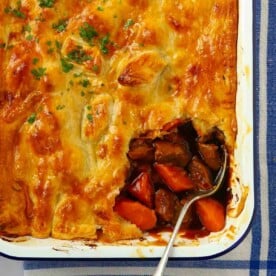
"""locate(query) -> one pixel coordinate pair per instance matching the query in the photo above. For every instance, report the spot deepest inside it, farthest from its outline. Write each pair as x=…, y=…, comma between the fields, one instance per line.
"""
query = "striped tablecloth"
x=256, y=254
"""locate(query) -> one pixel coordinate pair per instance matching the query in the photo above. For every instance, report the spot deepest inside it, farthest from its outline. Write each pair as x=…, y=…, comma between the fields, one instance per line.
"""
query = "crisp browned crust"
x=69, y=103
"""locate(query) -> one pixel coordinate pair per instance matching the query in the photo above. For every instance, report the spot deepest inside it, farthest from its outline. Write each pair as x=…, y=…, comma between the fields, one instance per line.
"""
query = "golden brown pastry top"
x=79, y=79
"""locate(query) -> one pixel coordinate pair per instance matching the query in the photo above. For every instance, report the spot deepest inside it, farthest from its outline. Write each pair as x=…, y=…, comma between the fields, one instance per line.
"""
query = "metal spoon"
x=195, y=196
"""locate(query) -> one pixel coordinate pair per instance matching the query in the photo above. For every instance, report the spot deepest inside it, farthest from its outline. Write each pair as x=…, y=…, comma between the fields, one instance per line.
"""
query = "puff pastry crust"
x=79, y=79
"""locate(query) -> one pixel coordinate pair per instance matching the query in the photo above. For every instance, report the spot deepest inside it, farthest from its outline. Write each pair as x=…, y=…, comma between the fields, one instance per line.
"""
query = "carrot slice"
x=137, y=213
x=211, y=214
x=142, y=189
x=176, y=178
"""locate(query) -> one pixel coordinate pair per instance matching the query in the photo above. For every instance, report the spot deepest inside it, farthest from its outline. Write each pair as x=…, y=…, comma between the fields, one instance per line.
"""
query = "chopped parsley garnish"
x=8, y=10
x=15, y=12
x=46, y=3
x=77, y=75
x=103, y=44
x=27, y=28
x=50, y=48
x=38, y=72
x=18, y=13
x=100, y=8
x=35, y=61
x=89, y=107
x=85, y=82
x=87, y=32
x=82, y=93
x=32, y=118
x=60, y=107
x=78, y=55
x=129, y=23
x=29, y=37
x=58, y=45
x=60, y=26
x=89, y=117
x=95, y=68
x=66, y=66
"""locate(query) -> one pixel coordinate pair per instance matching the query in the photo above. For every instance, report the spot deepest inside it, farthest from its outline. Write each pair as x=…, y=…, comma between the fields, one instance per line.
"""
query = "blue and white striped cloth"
x=256, y=254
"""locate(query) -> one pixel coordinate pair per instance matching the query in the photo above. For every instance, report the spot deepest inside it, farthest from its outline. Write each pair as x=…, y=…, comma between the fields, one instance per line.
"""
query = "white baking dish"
x=241, y=207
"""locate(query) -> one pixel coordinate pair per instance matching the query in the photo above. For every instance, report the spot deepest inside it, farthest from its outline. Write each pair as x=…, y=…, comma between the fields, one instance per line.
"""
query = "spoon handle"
x=163, y=261
x=219, y=178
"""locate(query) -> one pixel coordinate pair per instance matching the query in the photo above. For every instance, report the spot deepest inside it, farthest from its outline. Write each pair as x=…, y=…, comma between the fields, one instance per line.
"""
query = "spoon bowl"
x=193, y=197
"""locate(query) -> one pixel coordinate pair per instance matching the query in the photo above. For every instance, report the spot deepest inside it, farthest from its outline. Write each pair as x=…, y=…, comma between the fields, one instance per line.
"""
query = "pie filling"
x=165, y=168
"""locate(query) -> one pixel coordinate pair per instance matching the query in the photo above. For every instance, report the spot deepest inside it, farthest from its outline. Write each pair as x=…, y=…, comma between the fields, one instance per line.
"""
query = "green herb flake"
x=29, y=37
x=77, y=75
x=66, y=66
x=7, y=10
x=50, y=49
x=100, y=8
x=32, y=118
x=85, y=83
x=129, y=23
x=46, y=3
x=15, y=12
x=2, y=45
x=103, y=44
x=78, y=55
x=60, y=26
x=58, y=45
x=38, y=72
x=18, y=14
x=60, y=107
x=87, y=32
x=71, y=82
x=27, y=28
x=35, y=61
x=89, y=117
x=95, y=68
x=89, y=107
x=82, y=93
